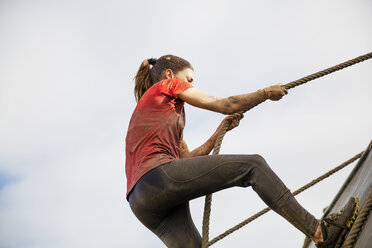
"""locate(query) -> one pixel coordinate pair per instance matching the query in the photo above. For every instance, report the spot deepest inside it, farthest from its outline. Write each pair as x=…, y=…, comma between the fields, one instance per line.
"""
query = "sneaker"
x=335, y=226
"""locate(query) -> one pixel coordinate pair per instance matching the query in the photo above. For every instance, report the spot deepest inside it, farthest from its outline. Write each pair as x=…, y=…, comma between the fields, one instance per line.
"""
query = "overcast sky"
x=66, y=97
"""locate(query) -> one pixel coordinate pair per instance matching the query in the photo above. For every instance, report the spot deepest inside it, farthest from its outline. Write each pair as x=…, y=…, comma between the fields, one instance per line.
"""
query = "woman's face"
x=186, y=75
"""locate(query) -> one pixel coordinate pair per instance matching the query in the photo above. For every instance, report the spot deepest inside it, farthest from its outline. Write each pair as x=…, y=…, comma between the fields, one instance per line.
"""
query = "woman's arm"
x=207, y=147
x=232, y=104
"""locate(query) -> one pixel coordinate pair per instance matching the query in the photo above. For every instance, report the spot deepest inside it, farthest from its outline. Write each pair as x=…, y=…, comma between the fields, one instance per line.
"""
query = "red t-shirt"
x=155, y=129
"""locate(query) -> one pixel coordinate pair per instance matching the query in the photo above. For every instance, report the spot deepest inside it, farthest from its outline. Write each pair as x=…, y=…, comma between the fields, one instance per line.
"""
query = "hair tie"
x=152, y=61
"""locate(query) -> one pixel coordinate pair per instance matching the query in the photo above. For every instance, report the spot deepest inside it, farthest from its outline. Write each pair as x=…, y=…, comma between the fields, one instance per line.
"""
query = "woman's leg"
x=175, y=183
x=172, y=224
x=179, y=229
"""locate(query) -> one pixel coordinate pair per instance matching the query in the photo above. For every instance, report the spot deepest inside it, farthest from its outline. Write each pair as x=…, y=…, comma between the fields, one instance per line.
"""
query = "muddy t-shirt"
x=155, y=129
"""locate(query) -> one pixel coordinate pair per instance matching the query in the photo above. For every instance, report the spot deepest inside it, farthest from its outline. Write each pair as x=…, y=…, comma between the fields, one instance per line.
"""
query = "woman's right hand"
x=275, y=92
x=234, y=120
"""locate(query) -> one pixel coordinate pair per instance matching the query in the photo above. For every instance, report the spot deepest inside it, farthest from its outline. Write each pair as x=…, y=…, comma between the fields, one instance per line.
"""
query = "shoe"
x=335, y=226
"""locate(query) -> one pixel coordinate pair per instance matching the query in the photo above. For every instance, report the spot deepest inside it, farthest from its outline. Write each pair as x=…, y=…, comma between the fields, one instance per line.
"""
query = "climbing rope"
x=359, y=223
x=328, y=71
x=217, y=147
x=208, y=198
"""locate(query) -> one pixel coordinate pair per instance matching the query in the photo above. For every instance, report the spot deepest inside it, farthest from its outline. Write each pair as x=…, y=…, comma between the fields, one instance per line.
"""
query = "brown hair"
x=151, y=71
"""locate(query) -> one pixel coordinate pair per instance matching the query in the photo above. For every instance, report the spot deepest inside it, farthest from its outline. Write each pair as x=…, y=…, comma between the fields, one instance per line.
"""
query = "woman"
x=163, y=175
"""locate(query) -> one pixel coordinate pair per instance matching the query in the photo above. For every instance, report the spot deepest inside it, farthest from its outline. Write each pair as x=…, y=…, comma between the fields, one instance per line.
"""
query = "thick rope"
x=359, y=223
x=328, y=71
x=208, y=198
x=217, y=146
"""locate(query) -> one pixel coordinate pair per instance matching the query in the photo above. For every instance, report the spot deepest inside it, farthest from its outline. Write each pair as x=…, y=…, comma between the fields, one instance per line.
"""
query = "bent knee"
x=257, y=159
x=254, y=161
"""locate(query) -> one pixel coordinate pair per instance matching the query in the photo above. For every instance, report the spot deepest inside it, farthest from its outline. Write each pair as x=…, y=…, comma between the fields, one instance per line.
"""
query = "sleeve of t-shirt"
x=173, y=87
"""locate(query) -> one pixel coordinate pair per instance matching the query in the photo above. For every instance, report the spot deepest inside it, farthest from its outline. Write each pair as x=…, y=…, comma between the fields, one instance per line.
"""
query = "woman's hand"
x=275, y=92
x=234, y=119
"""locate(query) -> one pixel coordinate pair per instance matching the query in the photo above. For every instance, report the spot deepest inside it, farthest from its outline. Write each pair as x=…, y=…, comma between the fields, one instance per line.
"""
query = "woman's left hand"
x=234, y=119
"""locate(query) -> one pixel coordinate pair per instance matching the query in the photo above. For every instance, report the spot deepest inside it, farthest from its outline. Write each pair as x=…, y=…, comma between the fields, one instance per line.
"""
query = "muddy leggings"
x=160, y=199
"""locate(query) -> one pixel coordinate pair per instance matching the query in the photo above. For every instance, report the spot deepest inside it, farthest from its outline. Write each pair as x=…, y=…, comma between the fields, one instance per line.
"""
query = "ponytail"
x=142, y=80
x=151, y=71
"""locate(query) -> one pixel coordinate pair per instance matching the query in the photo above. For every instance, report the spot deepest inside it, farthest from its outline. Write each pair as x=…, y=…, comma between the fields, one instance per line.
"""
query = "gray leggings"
x=160, y=199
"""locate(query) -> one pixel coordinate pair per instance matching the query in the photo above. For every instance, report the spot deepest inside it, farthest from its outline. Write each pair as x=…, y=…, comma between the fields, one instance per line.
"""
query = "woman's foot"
x=335, y=225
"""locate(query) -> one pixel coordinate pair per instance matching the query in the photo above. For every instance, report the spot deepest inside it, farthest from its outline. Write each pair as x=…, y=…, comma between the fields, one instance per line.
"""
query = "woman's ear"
x=169, y=74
